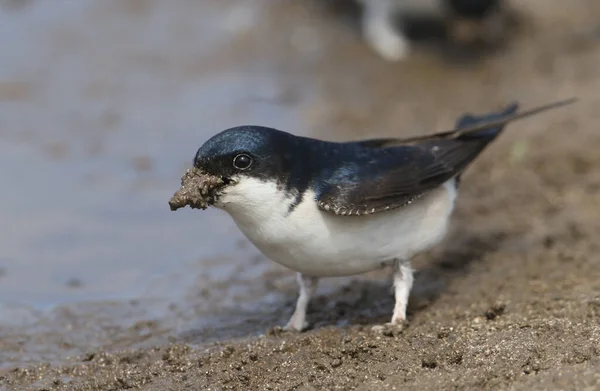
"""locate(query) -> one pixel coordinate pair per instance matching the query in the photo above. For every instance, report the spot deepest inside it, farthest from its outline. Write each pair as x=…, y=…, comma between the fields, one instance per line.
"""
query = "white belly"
x=322, y=244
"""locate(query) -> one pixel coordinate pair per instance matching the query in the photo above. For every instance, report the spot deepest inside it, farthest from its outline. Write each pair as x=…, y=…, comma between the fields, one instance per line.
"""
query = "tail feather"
x=492, y=121
x=472, y=121
x=469, y=126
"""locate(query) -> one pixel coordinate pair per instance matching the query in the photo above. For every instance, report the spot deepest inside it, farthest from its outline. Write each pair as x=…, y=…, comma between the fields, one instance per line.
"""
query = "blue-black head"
x=255, y=151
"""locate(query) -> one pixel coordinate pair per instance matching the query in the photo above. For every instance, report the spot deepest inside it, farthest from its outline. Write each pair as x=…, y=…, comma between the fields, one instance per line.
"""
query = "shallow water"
x=103, y=104
x=94, y=143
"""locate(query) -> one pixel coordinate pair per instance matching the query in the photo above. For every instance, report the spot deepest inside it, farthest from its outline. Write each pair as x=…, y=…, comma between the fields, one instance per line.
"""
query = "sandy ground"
x=511, y=300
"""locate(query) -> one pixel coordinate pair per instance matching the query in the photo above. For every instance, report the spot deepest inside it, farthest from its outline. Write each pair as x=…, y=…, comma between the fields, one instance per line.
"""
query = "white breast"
x=322, y=244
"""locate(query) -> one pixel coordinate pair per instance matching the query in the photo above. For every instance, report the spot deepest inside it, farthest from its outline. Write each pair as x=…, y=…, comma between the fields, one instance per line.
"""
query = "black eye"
x=242, y=161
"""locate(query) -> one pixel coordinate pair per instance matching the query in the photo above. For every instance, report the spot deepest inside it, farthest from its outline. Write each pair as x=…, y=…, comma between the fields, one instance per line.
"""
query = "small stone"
x=74, y=283
x=496, y=310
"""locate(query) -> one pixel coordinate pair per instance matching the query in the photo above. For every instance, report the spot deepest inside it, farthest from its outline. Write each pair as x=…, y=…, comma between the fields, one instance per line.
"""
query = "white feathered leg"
x=308, y=286
x=403, y=282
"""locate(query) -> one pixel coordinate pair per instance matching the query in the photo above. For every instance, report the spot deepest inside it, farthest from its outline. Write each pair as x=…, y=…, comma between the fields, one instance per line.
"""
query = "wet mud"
x=510, y=300
x=196, y=190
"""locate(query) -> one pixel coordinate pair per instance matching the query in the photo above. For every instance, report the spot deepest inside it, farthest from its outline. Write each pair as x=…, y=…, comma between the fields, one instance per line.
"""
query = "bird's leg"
x=380, y=32
x=308, y=286
x=403, y=282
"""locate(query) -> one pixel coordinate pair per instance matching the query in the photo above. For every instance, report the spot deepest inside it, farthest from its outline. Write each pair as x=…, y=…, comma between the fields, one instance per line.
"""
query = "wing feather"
x=395, y=172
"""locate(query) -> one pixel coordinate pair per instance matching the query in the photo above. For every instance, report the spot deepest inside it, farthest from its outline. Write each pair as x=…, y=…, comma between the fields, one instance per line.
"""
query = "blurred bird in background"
x=390, y=26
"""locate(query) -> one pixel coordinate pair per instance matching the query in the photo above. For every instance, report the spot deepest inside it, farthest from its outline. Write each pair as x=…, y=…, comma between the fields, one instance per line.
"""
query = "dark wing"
x=386, y=176
x=394, y=177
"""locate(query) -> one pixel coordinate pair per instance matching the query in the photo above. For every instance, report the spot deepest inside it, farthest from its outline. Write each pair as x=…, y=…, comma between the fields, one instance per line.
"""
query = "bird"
x=331, y=209
x=387, y=25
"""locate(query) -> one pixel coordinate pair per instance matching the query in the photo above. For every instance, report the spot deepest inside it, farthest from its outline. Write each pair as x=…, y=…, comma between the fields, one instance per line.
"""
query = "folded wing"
x=393, y=173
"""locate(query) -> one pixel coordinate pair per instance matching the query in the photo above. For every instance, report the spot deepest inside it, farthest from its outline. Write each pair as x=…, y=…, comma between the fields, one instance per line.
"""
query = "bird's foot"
x=296, y=325
x=390, y=329
x=288, y=328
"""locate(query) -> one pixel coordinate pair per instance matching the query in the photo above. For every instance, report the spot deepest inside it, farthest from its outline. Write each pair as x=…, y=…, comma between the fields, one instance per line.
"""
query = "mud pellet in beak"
x=196, y=190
